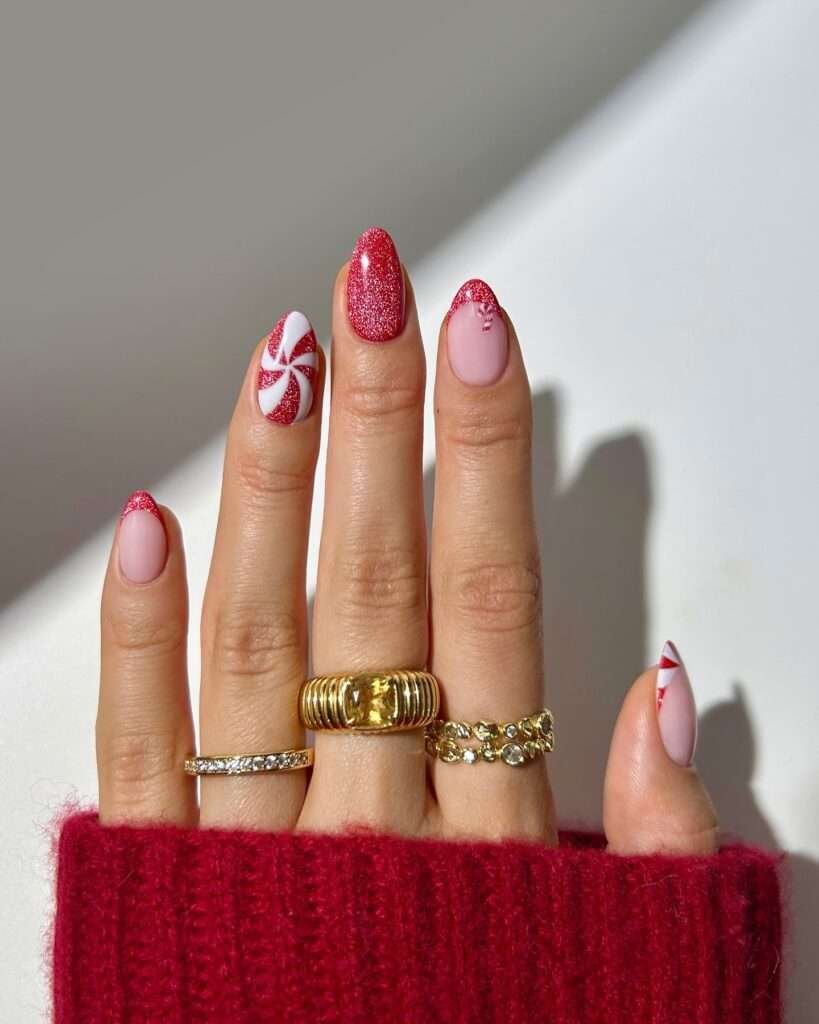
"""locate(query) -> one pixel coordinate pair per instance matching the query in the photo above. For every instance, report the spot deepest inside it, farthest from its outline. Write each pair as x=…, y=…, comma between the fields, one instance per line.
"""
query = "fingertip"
x=652, y=802
x=349, y=321
x=284, y=376
x=479, y=353
x=376, y=288
x=141, y=540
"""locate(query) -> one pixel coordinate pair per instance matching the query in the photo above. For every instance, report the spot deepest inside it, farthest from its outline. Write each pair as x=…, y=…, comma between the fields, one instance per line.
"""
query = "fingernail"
x=143, y=546
x=477, y=344
x=287, y=371
x=375, y=287
x=676, y=709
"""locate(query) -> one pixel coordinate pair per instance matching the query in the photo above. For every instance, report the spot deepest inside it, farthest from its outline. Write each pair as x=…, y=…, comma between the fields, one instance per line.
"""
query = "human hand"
x=471, y=612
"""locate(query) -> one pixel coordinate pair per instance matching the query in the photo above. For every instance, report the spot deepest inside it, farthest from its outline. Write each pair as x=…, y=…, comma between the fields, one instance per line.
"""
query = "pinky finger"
x=144, y=724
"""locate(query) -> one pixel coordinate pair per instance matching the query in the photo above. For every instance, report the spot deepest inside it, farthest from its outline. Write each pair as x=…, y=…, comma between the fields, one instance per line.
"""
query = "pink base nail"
x=477, y=342
x=143, y=546
x=676, y=707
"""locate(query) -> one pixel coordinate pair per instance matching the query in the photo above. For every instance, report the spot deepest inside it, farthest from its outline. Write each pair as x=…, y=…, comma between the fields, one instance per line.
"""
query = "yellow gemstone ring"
x=383, y=701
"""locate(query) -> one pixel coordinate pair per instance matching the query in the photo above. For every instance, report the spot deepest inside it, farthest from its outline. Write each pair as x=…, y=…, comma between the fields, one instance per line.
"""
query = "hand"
x=477, y=625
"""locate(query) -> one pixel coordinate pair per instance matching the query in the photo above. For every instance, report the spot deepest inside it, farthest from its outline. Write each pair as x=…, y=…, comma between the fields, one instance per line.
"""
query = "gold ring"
x=383, y=701
x=249, y=764
x=514, y=743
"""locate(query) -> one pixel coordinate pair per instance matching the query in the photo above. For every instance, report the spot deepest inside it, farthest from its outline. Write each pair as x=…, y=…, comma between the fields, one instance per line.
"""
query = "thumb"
x=653, y=799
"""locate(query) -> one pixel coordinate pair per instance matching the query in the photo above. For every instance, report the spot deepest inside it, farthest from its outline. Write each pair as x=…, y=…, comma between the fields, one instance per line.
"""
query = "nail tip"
x=474, y=290
x=670, y=652
x=140, y=501
x=374, y=233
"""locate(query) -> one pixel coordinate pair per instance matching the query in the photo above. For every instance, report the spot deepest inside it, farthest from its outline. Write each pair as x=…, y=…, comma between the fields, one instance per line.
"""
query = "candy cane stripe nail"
x=288, y=370
x=676, y=707
x=668, y=664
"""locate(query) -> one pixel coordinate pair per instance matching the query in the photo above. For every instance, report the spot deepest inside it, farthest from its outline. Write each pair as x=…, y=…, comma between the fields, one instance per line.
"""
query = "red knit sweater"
x=170, y=925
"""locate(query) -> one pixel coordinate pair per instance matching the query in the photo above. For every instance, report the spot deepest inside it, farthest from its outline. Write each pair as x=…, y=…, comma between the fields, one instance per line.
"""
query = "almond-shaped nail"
x=287, y=372
x=375, y=287
x=143, y=546
x=477, y=342
x=676, y=708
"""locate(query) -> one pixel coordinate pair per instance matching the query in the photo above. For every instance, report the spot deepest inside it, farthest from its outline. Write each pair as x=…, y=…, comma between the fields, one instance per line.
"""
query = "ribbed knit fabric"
x=171, y=925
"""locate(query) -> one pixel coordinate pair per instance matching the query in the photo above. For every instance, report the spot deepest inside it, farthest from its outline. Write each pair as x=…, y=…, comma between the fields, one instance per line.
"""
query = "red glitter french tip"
x=375, y=287
x=287, y=373
x=141, y=501
x=478, y=291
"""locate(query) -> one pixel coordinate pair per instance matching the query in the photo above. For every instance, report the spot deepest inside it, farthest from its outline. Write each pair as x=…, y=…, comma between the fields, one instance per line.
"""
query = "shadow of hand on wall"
x=593, y=540
x=726, y=760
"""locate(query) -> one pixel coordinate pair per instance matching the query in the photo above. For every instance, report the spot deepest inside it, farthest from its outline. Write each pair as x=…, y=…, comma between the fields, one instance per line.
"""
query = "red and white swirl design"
x=288, y=370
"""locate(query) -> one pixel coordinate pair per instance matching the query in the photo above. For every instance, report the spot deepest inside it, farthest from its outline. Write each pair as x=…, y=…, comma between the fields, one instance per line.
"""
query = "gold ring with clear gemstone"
x=513, y=743
x=249, y=764
x=383, y=701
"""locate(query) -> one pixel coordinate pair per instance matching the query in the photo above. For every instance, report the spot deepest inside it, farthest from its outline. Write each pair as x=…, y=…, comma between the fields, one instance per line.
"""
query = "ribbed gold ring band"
x=249, y=764
x=384, y=701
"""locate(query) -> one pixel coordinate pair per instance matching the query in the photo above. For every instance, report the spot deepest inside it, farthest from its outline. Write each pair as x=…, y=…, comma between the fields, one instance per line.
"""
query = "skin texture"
x=473, y=617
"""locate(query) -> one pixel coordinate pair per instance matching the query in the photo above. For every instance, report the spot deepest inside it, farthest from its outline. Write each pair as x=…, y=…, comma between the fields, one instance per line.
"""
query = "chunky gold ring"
x=383, y=701
x=514, y=743
x=248, y=764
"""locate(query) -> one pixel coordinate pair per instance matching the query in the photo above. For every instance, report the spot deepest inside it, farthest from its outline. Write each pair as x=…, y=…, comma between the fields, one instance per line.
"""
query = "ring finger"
x=484, y=571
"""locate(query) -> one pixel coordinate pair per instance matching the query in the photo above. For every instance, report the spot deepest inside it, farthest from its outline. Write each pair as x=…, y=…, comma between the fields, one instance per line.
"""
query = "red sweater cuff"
x=175, y=925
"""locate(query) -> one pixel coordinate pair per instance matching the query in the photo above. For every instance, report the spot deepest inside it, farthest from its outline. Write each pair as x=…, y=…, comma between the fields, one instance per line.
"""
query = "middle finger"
x=370, y=610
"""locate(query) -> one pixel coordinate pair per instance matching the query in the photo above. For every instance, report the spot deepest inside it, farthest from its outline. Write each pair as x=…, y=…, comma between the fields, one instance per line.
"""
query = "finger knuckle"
x=476, y=432
x=264, y=478
x=138, y=762
x=495, y=597
x=253, y=641
x=140, y=632
x=384, y=580
x=381, y=402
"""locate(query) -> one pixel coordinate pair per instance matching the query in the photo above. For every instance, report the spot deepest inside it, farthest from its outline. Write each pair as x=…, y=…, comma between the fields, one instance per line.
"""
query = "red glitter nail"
x=375, y=287
x=478, y=291
x=143, y=502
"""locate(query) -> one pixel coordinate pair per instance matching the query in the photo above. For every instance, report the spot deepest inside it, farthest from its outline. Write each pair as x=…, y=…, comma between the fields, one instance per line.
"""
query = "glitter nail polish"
x=375, y=287
x=479, y=292
x=140, y=501
x=287, y=372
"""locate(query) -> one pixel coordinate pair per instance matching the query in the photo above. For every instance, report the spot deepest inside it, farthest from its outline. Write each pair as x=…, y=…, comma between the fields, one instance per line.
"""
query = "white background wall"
x=638, y=180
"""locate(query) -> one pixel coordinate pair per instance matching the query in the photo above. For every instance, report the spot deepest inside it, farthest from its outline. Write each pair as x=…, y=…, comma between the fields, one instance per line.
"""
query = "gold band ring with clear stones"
x=249, y=764
x=385, y=701
x=514, y=743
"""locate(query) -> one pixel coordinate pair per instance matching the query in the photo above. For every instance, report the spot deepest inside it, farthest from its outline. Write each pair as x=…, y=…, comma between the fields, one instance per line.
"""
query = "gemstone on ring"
x=512, y=754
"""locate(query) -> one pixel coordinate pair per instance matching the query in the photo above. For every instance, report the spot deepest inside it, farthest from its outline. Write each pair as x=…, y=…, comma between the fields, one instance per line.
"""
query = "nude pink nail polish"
x=676, y=708
x=287, y=373
x=375, y=287
x=477, y=342
x=143, y=546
